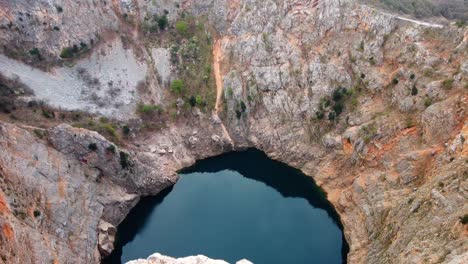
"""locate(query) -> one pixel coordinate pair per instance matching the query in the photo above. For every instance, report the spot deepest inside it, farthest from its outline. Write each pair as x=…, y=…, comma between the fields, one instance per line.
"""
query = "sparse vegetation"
x=73, y=51
x=460, y=23
x=368, y=132
x=427, y=102
x=333, y=108
x=148, y=109
x=107, y=129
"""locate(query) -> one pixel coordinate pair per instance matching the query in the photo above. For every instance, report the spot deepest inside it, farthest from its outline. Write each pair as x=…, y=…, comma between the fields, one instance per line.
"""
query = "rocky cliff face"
x=371, y=106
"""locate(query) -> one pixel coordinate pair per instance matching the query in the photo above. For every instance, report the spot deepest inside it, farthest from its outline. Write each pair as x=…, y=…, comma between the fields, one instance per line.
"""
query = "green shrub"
x=35, y=52
x=243, y=107
x=460, y=23
x=92, y=146
x=199, y=100
x=230, y=92
x=448, y=83
x=338, y=108
x=162, y=22
x=59, y=8
x=48, y=114
x=238, y=114
x=147, y=109
x=177, y=86
x=427, y=102
x=124, y=160
x=182, y=28
x=69, y=52
x=395, y=81
x=320, y=115
x=192, y=101
x=331, y=116
x=37, y=213
x=412, y=76
x=111, y=149
x=126, y=130
x=464, y=219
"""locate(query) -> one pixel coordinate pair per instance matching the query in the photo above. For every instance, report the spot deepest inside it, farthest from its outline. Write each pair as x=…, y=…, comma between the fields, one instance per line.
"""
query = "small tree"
x=177, y=86
x=182, y=28
x=162, y=22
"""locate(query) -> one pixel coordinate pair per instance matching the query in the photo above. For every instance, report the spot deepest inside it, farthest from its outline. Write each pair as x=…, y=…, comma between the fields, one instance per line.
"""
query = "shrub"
x=92, y=146
x=39, y=133
x=331, y=116
x=414, y=90
x=242, y=105
x=111, y=149
x=460, y=23
x=182, y=28
x=427, y=102
x=338, y=94
x=126, y=130
x=192, y=101
x=238, y=114
x=320, y=115
x=124, y=160
x=395, y=81
x=37, y=213
x=162, y=22
x=230, y=92
x=199, y=100
x=67, y=52
x=448, y=83
x=48, y=114
x=177, y=86
x=59, y=9
x=368, y=132
x=147, y=109
x=412, y=76
x=464, y=219
x=338, y=108
x=35, y=52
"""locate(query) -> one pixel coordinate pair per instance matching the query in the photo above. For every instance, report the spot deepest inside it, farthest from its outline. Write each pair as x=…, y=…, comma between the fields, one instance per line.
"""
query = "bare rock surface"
x=372, y=106
x=200, y=259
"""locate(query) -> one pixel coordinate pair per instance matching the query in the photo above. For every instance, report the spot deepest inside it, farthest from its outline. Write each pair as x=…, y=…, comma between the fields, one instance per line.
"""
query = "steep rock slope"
x=370, y=106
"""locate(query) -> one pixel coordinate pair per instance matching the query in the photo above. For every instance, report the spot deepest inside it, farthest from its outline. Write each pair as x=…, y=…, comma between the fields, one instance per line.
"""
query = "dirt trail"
x=217, y=54
x=217, y=72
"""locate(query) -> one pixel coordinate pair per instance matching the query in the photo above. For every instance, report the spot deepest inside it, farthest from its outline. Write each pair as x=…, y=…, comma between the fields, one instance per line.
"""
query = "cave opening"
x=234, y=206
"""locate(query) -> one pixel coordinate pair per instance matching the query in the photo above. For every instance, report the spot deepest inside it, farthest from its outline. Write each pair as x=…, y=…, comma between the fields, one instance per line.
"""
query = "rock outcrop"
x=160, y=259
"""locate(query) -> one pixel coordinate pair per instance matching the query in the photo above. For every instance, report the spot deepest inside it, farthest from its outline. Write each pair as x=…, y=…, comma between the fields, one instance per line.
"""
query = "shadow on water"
x=251, y=164
x=133, y=225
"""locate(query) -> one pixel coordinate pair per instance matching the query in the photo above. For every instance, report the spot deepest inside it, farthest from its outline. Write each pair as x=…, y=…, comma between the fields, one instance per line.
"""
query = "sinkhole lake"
x=238, y=205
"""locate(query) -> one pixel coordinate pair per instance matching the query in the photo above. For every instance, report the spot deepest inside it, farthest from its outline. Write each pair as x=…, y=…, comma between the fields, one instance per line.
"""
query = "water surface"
x=238, y=205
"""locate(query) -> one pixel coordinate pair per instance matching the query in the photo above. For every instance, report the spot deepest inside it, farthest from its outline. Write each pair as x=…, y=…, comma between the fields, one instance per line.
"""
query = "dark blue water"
x=238, y=205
